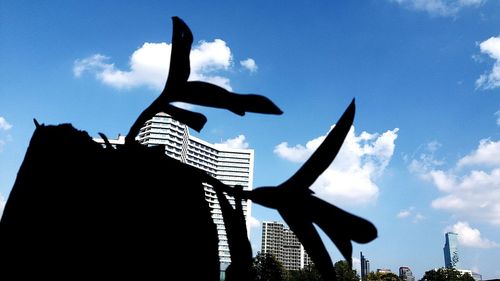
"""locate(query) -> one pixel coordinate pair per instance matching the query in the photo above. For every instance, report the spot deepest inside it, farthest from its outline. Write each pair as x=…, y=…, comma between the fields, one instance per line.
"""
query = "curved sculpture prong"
x=179, y=89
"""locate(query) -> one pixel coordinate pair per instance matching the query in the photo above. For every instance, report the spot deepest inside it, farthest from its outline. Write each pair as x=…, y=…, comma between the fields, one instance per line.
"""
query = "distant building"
x=476, y=276
x=229, y=165
x=451, y=258
x=405, y=274
x=383, y=270
x=281, y=242
x=365, y=267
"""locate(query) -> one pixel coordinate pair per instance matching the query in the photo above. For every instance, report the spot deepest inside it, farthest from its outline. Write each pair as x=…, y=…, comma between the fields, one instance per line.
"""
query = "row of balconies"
x=235, y=154
x=233, y=160
x=203, y=147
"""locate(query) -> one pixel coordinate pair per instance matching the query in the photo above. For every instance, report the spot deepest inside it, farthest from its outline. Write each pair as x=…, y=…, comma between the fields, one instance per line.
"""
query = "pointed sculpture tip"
x=36, y=123
x=176, y=19
x=352, y=106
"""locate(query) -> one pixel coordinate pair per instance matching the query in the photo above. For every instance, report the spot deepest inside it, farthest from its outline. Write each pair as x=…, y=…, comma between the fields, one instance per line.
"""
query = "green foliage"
x=467, y=277
x=344, y=272
x=267, y=268
x=372, y=276
x=377, y=276
x=309, y=273
x=446, y=274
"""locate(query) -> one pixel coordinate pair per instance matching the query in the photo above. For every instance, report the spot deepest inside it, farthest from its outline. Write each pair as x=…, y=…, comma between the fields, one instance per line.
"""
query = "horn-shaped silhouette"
x=178, y=89
x=237, y=236
x=301, y=209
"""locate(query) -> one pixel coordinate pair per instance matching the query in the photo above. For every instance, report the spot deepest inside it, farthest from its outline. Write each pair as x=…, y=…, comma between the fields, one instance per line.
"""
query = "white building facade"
x=281, y=242
x=229, y=165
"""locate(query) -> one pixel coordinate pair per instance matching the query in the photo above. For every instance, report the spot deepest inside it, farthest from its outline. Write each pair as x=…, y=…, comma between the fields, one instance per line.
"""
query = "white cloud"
x=297, y=153
x=410, y=213
x=426, y=160
x=253, y=222
x=249, y=64
x=237, y=142
x=351, y=177
x=490, y=80
x=471, y=237
x=471, y=189
x=148, y=65
x=403, y=214
x=487, y=153
x=439, y=7
x=4, y=125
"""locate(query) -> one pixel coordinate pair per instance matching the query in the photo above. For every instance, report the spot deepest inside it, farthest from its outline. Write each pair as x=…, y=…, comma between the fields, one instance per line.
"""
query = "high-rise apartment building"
x=229, y=165
x=365, y=267
x=451, y=258
x=281, y=242
x=405, y=274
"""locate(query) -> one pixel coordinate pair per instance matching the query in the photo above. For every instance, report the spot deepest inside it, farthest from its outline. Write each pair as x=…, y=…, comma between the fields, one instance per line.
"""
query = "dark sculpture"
x=78, y=209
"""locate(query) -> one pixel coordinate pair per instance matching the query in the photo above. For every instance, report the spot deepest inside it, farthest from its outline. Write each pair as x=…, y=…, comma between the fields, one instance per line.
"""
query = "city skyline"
x=422, y=157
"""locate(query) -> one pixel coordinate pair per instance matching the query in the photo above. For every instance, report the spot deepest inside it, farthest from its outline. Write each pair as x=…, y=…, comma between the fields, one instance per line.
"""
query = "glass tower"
x=451, y=259
x=365, y=267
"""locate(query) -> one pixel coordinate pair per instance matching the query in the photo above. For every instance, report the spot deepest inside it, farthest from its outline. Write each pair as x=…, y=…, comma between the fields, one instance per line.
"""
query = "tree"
x=344, y=272
x=308, y=273
x=467, y=277
x=390, y=277
x=267, y=268
x=446, y=274
x=377, y=276
x=374, y=276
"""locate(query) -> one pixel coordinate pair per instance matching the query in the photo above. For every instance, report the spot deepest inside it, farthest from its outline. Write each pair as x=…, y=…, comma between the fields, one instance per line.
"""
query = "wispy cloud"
x=491, y=79
x=410, y=213
x=253, y=223
x=237, y=142
x=4, y=125
x=471, y=187
x=471, y=237
x=351, y=177
x=4, y=137
x=443, y=8
x=249, y=64
x=148, y=65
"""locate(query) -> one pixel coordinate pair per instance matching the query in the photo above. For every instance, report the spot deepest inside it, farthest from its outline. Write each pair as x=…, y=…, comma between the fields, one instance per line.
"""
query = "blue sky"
x=422, y=158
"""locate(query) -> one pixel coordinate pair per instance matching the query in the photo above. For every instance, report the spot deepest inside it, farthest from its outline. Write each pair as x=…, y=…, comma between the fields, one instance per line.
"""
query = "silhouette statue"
x=178, y=88
x=81, y=210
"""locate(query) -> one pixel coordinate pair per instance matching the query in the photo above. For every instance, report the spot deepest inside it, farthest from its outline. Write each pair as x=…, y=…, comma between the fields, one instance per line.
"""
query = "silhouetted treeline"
x=267, y=268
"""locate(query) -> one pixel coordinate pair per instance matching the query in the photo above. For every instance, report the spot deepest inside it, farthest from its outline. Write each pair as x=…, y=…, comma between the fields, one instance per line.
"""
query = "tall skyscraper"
x=229, y=165
x=281, y=242
x=365, y=267
x=451, y=258
x=405, y=274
